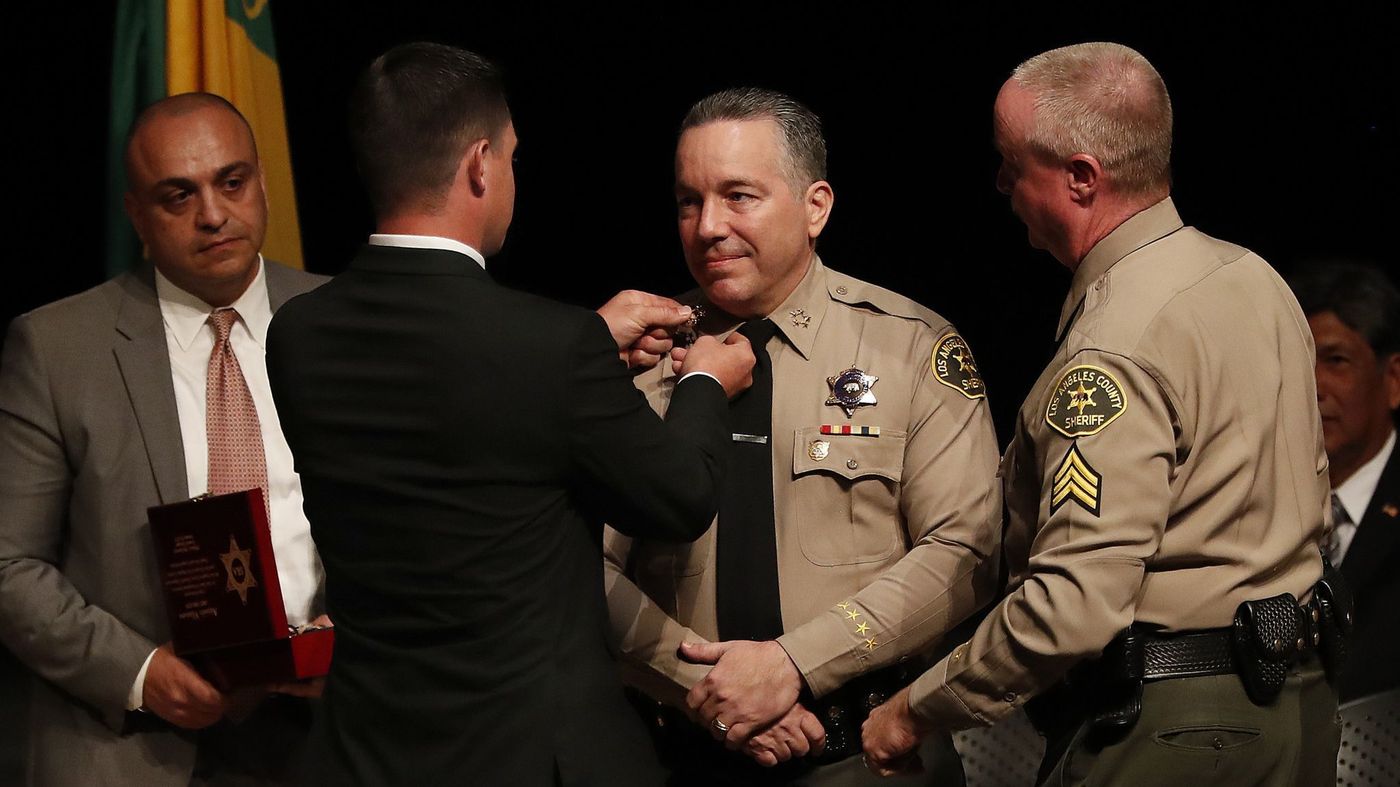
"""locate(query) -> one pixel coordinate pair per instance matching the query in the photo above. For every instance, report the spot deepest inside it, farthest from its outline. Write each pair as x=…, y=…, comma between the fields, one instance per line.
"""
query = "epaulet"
x=853, y=291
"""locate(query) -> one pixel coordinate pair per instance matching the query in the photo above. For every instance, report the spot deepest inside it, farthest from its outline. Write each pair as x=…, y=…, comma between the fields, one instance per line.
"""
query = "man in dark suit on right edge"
x=458, y=444
x=1354, y=313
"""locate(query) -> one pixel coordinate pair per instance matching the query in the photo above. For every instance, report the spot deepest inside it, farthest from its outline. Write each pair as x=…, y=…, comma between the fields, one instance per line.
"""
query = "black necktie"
x=747, y=604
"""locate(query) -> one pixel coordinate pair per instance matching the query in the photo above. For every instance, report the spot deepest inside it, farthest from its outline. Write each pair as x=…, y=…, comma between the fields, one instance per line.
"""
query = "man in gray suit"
x=106, y=399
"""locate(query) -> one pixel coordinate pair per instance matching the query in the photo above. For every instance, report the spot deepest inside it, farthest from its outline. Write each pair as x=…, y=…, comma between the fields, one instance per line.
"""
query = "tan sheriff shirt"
x=884, y=541
x=1166, y=466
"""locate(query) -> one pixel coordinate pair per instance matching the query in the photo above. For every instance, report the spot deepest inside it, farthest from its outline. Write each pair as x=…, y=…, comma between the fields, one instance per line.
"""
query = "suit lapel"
x=145, y=368
x=1377, y=539
x=279, y=288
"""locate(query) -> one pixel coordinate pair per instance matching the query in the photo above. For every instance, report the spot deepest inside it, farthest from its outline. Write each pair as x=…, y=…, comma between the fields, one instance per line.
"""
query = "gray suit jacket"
x=89, y=438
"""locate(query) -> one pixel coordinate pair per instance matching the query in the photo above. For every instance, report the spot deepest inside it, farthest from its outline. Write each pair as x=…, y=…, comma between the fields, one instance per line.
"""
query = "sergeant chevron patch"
x=1076, y=480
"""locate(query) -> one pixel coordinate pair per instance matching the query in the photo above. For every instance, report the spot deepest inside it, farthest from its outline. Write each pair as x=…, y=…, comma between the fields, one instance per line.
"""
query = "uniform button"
x=1314, y=615
x=853, y=464
x=1278, y=646
x=1317, y=637
x=840, y=290
x=1010, y=696
x=1300, y=643
x=1218, y=744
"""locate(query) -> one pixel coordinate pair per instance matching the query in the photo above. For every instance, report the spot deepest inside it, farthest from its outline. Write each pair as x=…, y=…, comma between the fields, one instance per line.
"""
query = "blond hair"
x=1105, y=100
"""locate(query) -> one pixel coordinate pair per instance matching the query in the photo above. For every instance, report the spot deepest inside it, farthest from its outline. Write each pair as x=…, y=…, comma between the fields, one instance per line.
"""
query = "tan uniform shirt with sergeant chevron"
x=884, y=542
x=1167, y=465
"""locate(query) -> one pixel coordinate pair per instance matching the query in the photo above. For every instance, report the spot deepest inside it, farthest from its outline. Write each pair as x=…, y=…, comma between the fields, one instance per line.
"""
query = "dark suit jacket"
x=1371, y=569
x=89, y=438
x=458, y=443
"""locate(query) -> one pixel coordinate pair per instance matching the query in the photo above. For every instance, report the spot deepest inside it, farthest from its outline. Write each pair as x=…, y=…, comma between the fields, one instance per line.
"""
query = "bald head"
x=179, y=106
x=1107, y=101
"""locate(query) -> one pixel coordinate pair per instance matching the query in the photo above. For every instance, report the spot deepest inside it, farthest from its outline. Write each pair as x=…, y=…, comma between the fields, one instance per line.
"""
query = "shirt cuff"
x=136, y=698
x=689, y=375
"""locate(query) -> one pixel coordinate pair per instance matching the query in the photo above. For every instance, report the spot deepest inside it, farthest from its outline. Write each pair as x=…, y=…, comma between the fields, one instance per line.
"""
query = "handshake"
x=643, y=325
x=748, y=701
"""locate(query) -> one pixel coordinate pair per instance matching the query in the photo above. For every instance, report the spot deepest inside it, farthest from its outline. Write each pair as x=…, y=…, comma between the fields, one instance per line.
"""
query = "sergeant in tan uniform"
x=886, y=511
x=1166, y=468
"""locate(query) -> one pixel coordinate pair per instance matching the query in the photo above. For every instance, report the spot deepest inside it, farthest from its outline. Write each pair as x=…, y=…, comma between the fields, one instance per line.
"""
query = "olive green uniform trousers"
x=1195, y=732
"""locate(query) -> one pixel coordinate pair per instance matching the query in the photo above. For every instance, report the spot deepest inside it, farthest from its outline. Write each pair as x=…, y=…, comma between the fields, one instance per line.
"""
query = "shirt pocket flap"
x=849, y=456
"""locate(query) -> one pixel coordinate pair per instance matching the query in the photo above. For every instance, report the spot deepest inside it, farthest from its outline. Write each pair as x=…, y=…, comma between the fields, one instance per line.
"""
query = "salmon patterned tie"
x=236, y=460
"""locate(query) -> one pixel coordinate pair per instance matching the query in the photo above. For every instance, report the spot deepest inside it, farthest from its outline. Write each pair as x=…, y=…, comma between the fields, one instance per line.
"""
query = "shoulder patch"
x=954, y=366
x=1085, y=401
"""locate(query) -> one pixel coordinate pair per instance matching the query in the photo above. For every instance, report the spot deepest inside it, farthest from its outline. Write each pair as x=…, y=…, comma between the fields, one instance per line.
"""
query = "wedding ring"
x=719, y=725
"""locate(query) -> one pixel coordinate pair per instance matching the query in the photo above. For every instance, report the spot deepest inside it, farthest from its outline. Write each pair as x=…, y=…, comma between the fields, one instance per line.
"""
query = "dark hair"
x=412, y=116
x=803, y=144
x=175, y=106
x=1361, y=296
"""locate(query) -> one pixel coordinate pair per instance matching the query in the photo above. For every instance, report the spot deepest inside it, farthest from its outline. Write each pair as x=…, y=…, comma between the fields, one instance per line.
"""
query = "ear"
x=1390, y=376
x=818, y=200
x=1083, y=176
x=473, y=166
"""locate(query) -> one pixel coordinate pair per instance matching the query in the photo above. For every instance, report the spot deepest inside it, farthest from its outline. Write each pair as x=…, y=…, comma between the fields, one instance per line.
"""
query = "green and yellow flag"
x=165, y=47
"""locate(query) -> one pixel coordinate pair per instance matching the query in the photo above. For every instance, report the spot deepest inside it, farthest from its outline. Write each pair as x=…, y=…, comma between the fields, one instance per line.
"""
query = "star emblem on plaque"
x=238, y=569
x=851, y=389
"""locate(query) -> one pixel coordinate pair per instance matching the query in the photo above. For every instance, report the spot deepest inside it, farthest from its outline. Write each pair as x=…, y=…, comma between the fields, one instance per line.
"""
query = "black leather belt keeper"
x=843, y=711
x=1334, y=606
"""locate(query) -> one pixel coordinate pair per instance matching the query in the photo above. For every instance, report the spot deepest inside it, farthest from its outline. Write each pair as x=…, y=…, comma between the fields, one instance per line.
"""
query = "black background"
x=1286, y=141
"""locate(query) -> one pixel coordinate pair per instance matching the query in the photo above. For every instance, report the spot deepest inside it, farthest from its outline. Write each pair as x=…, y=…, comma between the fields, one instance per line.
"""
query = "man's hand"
x=176, y=693
x=642, y=325
x=796, y=734
x=752, y=685
x=647, y=351
x=891, y=736
x=731, y=363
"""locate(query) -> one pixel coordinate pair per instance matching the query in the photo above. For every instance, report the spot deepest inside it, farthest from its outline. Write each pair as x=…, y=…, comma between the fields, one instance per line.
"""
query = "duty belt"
x=1265, y=640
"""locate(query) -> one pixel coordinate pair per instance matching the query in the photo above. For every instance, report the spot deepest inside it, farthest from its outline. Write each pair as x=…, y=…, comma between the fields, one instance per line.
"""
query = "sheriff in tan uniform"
x=1166, y=483
x=886, y=536
x=1166, y=467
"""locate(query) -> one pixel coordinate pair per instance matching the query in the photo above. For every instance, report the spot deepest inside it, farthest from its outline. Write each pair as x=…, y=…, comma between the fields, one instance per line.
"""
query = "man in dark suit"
x=103, y=412
x=459, y=442
x=1354, y=313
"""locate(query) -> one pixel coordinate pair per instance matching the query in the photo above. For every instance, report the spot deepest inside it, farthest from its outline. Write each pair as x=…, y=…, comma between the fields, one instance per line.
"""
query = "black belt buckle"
x=1265, y=639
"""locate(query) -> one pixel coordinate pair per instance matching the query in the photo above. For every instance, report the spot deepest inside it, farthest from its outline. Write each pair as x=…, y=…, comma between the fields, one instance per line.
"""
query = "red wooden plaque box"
x=222, y=595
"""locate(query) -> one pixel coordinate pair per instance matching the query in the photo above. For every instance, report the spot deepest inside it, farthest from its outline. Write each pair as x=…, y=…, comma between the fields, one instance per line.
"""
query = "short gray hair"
x=1105, y=100
x=804, y=146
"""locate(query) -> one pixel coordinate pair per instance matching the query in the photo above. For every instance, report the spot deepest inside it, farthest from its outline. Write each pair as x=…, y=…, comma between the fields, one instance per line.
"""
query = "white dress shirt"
x=1356, y=493
x=189, y=339
x=426, y=242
